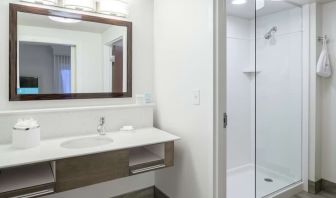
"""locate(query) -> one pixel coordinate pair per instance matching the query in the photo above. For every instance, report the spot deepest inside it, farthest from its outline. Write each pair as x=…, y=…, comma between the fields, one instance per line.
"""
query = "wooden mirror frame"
x=13, y=12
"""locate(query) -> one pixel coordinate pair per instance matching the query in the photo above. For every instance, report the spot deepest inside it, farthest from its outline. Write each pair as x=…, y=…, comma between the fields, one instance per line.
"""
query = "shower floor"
x=241, y=182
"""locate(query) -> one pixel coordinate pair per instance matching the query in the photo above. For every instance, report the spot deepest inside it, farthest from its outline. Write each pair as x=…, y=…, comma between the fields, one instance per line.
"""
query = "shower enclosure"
x=265, y=97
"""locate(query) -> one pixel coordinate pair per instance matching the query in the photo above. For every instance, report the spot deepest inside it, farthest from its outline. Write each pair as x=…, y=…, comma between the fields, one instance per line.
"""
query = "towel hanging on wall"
x=323, y=64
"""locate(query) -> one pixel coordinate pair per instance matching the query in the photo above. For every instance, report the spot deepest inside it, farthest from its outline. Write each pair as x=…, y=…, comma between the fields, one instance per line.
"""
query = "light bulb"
x=85, y=5
x=239, y=2
x=113, y=7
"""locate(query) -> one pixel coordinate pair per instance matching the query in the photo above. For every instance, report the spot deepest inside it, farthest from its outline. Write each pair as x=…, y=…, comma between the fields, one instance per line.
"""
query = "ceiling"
x=271, y=6
x=43, y=21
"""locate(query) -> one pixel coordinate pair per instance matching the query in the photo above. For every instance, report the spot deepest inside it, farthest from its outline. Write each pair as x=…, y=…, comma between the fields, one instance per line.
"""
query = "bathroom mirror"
x=62, y=55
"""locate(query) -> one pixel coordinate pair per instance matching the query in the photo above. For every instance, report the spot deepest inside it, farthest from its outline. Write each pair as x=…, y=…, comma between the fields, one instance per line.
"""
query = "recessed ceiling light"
x=63, y=20
x=239, y=2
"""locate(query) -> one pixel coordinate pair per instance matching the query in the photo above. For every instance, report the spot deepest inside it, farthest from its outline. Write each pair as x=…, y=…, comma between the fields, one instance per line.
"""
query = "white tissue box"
x=26, y=138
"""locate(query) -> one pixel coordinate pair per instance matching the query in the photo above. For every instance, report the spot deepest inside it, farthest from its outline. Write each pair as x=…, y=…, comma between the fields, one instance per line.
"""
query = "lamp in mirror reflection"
x=84, y=5
x=63, y=19
x=113, y=7
x=44, y=2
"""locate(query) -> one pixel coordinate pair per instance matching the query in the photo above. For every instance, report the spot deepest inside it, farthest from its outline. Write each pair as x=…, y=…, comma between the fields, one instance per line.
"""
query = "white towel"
x=323, y=64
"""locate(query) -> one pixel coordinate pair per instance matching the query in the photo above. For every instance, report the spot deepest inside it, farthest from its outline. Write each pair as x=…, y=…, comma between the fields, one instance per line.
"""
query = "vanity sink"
x=86, y=142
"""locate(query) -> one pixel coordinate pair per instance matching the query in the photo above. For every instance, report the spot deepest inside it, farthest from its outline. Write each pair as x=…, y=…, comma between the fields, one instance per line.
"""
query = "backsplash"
x=79, y=122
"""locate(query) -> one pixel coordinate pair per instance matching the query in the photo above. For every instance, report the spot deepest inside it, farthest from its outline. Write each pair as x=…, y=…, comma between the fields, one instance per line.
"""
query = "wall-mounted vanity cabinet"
x=145, y=150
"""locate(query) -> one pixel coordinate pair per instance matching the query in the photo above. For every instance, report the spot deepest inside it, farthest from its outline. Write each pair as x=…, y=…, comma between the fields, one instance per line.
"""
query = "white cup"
x=140, y=99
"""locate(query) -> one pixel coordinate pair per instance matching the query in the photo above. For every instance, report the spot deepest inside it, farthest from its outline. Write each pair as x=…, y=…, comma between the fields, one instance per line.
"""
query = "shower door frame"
x=308, y=90
x=219, y=82
x=220, y=98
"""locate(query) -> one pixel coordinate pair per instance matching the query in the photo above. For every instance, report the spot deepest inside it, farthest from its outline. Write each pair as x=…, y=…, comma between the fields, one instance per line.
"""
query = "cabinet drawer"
x=91, y=169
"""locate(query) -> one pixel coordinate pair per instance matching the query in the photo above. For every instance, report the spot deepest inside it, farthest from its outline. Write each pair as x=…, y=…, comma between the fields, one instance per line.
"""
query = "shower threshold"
x=241, y=182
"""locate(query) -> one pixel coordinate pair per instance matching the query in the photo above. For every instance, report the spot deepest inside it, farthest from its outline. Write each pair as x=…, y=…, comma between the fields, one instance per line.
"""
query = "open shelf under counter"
x=27, y=181
x=149, y=158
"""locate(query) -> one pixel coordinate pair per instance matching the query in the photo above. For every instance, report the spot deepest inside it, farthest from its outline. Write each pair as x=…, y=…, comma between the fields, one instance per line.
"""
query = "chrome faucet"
x=101, y=126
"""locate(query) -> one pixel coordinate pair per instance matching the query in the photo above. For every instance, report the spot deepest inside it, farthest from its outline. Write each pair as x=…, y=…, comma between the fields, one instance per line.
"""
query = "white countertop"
x=50, y=150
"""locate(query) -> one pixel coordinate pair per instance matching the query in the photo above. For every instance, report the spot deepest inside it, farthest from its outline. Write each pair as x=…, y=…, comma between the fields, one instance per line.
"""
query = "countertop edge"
x=84, y=152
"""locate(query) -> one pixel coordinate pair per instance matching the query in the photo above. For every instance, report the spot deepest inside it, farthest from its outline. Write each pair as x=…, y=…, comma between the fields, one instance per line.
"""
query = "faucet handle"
x=101, y=127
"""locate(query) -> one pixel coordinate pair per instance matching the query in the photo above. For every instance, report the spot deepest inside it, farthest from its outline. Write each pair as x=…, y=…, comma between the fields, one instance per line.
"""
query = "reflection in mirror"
x=65, y=56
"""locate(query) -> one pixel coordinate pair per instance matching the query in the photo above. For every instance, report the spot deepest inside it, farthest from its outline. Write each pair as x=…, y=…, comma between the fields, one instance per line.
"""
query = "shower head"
x=270, y=33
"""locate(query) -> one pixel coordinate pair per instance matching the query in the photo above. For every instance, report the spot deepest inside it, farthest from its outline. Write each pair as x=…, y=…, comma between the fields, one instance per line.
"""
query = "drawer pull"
x=142, y=170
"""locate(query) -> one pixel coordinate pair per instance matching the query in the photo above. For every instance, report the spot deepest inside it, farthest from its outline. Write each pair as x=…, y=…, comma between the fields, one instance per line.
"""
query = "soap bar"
x=127, y=128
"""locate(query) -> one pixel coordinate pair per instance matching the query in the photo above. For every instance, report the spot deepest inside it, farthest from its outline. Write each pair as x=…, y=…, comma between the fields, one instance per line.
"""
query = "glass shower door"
x=278, y=96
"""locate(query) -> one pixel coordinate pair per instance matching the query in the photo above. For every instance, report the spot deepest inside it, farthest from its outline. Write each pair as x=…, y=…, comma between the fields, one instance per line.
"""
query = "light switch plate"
x=196, y=97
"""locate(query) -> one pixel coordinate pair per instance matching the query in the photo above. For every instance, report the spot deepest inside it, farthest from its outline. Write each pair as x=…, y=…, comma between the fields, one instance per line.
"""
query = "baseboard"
x=159, y=194
x=315, y=187
x=329, y=187
x=151, y=192
x=321, y=185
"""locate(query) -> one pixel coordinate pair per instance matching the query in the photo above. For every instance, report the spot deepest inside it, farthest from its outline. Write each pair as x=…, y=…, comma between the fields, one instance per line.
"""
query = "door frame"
x=219, y=169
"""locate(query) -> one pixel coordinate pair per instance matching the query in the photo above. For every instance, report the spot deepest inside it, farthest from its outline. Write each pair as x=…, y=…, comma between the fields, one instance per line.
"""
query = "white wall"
x=141, y=14
x=315, y=29
x=327, y=114
x=183, y=32
x=279, y=93
x=89, y=53
x=239, y=92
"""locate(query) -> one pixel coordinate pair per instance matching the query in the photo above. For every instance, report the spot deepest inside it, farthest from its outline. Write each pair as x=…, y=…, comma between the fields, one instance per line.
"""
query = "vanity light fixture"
x=63, y=19
x=239, y=2
x=113, y=7
x=109, y=7
x=44, y=2
x=84, y=5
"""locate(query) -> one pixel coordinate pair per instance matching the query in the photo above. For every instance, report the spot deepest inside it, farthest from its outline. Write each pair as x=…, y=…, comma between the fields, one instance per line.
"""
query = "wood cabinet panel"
x=169, y=154
x=91, y=169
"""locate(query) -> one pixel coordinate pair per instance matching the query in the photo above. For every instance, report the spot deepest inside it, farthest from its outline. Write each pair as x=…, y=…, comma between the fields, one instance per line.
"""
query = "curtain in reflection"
x=62, y=74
